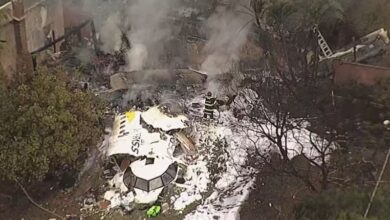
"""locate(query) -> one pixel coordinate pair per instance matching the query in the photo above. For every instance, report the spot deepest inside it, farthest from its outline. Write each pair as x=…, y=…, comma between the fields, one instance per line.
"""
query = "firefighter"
x=209, y=106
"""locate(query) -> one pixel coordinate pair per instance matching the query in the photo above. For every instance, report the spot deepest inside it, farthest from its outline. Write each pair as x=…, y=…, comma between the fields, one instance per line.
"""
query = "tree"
x=347, y=204
x=362, y=110
x=278, y=119
x=289, y=101
x=45, y=124
x=296, y=14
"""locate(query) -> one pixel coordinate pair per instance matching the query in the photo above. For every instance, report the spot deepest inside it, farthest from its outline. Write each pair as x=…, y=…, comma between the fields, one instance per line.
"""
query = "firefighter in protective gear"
x=209, y=106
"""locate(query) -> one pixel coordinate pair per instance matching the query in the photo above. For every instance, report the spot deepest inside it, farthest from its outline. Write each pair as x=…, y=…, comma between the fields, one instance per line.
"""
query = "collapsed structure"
x=360, y=51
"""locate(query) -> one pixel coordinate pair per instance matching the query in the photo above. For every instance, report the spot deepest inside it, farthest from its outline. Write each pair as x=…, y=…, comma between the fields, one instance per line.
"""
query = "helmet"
x=208, y=93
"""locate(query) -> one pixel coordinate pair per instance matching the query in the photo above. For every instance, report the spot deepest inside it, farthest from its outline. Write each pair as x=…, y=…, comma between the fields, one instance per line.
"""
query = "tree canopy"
x=45, y=124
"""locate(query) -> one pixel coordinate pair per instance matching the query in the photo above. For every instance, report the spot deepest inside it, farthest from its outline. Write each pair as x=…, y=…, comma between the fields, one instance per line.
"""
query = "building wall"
x=359, y=73
x=43, y=16
x=8, y=51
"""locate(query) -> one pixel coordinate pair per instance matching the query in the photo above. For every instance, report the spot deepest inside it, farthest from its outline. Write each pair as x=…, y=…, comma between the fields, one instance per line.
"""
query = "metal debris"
x=186, y=143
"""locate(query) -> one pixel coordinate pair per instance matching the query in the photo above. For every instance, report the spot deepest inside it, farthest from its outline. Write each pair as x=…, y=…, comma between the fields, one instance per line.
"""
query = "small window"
x=121, y=127
x=129, y=179
x=149, y=161
x=172, y=170
x=132, y=181
x=166, y=179
x=142, y=184
x=155, y=184
x=123, y=122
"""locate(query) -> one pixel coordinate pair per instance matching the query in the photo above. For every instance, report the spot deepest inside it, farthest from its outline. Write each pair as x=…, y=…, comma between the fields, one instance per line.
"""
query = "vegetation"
x=344, y=205
x=46, y=123
x=350, y=138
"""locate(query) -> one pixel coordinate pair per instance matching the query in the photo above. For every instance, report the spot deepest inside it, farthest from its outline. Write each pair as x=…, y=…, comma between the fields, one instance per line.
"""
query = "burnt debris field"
x=194, y=109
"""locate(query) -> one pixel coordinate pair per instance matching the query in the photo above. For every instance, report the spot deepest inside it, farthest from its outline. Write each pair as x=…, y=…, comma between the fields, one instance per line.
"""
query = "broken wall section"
x=43, y=18
x=28, y=26
x=8, y=48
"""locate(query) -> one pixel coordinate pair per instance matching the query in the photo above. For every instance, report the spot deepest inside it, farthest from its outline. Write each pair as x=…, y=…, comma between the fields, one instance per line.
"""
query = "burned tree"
x=276, y=125
x=287, y=103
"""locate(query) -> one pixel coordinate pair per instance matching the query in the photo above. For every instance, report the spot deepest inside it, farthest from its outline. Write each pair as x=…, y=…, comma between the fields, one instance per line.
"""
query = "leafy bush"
x=45, y=124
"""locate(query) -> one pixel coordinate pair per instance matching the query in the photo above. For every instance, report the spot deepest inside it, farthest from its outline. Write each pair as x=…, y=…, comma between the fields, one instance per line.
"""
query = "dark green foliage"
x=44, y=125
x=345, y=205
x=362, y=111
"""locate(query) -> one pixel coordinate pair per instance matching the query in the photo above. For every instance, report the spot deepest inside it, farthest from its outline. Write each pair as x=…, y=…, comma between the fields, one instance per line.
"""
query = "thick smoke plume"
x=227, y=32
x=150, y=30
x=227, y=29
x=110, y=33
x=144, y=22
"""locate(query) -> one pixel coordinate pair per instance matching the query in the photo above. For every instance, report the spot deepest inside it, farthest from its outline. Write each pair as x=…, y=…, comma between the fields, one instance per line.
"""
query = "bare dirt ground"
x=62, y=202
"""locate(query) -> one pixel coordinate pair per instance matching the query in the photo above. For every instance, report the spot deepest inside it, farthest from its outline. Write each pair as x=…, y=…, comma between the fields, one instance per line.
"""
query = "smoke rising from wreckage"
x=142, y=85
x=137, y=55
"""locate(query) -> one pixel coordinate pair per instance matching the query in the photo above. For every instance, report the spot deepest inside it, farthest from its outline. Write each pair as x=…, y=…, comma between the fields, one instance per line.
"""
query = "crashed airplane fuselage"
x=152, y=166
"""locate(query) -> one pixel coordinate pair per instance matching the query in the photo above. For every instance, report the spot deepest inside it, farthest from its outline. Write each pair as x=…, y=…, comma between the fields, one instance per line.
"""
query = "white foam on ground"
x=197, y=180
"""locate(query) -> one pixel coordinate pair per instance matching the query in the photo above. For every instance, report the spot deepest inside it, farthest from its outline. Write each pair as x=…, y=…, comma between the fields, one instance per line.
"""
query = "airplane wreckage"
x=142, y=144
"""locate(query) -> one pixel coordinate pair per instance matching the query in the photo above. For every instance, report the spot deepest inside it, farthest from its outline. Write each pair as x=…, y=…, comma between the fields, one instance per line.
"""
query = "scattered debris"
x=160, y=77
x=159, y=120
x=186, y=143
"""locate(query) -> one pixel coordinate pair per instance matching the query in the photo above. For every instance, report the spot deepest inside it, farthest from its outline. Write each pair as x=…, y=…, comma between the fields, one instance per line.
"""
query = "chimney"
x=24, y=58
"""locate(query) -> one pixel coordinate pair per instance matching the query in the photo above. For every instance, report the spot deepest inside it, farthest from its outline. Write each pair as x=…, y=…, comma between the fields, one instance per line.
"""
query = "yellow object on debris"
x=130, y=116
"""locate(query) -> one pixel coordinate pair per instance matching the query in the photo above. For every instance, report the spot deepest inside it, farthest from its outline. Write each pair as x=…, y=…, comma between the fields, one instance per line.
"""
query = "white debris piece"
x=127, y=199
x=341, y=53
x=143, y=197
x=129, y=137
x=159, y=120
x=109, y=195
x=117, y=200
x=117, y=182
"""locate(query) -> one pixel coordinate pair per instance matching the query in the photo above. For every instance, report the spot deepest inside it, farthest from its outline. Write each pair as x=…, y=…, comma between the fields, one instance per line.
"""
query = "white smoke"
x=150, y=30
x=227, y=32
x=137, y=57
x=228, y=29
x=110, y=33
x=146, y=23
